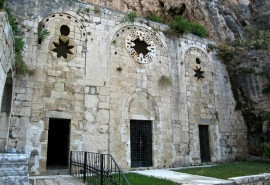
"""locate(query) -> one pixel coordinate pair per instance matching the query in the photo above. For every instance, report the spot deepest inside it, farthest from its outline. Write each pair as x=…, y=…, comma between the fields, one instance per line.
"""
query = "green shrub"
x=265, y=115
x=241, y=43
x=79, y=11
x=266, y=149
x=211, y=46
x=183, y=26
x=131, y=16
x=198, y=30
x=154, y=18
x=180, y=25
x=261, y=40
x=2, y=3
x=225, y=53
x=12, y=22
x=20, y=66
x=87, y=10
x=254, y=39
x=19, y=43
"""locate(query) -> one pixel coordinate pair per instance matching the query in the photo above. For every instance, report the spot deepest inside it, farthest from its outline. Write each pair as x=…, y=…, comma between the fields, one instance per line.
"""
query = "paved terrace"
x=183, y=178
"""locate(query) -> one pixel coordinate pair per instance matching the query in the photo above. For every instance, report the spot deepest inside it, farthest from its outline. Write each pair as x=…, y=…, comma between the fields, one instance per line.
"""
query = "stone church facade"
x=103, y=84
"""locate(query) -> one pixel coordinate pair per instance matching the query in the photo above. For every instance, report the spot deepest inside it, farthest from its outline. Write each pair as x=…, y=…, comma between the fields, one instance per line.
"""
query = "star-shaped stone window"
x=198, y=73
x=63, y=47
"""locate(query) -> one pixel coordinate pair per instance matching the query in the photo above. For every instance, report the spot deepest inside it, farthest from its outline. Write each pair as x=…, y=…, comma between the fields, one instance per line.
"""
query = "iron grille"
x=141, y=143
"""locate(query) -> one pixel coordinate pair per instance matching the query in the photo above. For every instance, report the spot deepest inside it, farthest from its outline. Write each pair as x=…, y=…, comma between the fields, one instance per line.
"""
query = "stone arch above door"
x=141, y=105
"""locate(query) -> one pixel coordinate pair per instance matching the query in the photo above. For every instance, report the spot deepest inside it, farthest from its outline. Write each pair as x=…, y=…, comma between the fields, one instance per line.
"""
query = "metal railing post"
x=84, y=166
x=98, y=168
x=101, y=169
x=70, y=162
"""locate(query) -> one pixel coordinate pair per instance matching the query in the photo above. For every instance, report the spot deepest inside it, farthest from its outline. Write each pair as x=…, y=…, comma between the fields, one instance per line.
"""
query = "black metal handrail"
x=96, y=168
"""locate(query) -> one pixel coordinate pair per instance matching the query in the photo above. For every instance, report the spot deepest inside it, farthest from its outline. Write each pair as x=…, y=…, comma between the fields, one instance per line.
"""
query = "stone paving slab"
x=55, y=180
x=185, y=179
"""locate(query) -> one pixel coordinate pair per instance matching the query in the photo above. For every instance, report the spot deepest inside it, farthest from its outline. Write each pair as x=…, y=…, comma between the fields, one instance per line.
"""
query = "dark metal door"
x=141, y=143
x=204, y=143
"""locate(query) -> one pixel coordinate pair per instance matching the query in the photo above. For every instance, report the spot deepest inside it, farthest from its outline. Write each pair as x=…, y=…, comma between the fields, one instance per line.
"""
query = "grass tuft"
x=138, y=179
x=225, y=171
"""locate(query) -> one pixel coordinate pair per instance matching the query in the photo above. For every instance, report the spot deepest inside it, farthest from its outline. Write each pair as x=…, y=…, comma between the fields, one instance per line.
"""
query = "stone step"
x=57, y=172
x=54, y=180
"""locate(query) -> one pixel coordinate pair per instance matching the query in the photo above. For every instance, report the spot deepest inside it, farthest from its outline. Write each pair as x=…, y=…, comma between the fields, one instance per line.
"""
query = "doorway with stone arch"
x=5, y=112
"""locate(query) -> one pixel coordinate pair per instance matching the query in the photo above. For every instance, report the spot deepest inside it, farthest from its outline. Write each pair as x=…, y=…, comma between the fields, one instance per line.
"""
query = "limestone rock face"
x=223, y=19
x=249, y=82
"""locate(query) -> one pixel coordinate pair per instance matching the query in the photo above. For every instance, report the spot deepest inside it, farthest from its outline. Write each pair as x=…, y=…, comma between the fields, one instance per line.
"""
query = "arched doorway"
x=5, y=111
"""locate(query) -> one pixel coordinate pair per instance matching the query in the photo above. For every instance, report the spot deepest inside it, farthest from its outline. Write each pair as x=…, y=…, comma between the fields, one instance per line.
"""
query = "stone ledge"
x=253, y=179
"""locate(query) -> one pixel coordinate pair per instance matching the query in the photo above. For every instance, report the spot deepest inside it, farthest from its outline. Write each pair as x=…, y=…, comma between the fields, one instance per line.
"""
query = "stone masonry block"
x=91, y=101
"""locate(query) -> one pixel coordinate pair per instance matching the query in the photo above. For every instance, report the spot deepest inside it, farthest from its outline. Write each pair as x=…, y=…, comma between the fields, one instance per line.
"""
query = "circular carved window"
x=140, y=47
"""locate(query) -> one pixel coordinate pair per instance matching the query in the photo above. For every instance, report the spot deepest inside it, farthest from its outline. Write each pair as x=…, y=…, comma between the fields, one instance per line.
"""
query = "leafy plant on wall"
x=42, y=34
x=164, y=81
x=20, y=66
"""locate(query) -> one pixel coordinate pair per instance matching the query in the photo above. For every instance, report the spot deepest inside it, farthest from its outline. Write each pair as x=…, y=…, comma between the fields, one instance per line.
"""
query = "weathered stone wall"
x=6, y=76
x=101, y=82
x=14, y=169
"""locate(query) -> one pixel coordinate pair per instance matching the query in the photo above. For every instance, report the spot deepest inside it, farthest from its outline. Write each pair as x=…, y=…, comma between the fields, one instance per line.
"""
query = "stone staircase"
x=13, y=169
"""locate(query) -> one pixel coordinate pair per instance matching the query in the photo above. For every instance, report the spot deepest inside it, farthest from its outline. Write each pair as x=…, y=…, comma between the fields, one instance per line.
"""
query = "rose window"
x=140, y=47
